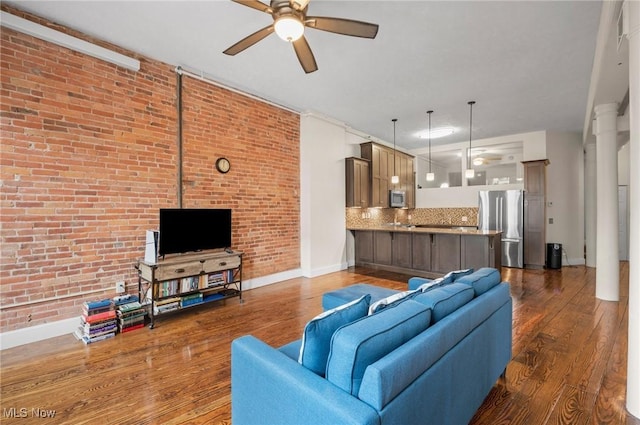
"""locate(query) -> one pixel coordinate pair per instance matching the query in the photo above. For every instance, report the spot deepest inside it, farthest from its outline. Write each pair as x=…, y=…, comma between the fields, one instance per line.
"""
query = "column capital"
x=605, y=108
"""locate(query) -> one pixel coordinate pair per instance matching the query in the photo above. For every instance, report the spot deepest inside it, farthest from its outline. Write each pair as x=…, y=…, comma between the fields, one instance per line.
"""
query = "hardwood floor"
x=568, y=367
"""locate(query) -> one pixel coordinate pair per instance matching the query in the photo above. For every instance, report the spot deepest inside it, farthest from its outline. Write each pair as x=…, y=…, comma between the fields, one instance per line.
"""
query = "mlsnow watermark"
x=24, y=412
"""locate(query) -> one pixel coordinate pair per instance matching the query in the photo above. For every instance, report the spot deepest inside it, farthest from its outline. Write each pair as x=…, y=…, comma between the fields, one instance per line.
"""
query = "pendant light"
x=394, y=179
x=430, y=176
x=470, y=172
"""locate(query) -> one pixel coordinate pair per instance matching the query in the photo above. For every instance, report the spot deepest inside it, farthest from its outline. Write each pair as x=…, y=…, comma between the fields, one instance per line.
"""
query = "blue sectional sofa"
x=378, y=356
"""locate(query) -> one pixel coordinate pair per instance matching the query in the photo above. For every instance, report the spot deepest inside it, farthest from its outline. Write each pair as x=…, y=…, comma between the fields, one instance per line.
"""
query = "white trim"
x=270, y=279
x=68, y=326
x=38, y=332
x=325, y=270
x=61, y=39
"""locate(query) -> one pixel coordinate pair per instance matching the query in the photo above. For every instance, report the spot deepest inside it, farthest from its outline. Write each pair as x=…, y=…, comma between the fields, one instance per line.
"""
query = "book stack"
x=192, y=299
x=98, y=321
x=131, y=316
x=166, y=305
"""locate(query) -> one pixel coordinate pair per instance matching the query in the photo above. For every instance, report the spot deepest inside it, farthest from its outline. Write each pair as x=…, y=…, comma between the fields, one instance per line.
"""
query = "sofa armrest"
x=269, y=387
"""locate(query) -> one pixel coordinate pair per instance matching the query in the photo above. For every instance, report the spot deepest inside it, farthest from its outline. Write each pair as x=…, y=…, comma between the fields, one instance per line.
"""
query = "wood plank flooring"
x=569, y=357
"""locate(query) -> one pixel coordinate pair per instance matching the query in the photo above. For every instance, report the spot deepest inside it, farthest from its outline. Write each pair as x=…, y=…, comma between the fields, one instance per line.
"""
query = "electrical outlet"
x=120, y=287
x=464, y=218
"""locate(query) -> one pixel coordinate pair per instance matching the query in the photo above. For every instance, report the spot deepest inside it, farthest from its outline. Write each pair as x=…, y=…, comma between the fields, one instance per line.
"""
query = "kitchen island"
x=424, y=250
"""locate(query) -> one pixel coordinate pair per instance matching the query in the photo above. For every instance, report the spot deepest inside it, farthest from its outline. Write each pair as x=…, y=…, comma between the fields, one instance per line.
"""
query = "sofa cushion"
x=420, y=282
x=358, y=344
x=454, y=275
x=445, y=299
x=482, y=279
x=333, y=299
x=390, y=301
x=316, y=337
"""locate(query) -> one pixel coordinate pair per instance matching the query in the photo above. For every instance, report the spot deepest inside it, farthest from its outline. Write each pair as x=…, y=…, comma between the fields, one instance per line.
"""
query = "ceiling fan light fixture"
x=478, y=161
x=288, y=28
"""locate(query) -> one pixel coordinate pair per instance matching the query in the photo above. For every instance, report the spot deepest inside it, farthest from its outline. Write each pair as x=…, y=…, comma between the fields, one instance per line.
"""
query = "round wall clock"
x=223, y=165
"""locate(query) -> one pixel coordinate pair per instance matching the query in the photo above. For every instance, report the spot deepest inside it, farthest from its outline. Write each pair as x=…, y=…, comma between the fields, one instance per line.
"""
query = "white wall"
x=565, y=194
x=322, y=200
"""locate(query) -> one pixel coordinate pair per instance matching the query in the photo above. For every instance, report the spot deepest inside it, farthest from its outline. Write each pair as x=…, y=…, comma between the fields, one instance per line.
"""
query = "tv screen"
x=185, y=230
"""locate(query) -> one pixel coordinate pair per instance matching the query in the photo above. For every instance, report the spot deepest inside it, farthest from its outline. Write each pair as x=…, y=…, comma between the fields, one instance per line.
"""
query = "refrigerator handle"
x=501, y=214
x=497, y=215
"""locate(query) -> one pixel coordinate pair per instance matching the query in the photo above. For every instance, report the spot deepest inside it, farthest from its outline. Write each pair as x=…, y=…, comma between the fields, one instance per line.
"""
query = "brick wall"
x=88, y=156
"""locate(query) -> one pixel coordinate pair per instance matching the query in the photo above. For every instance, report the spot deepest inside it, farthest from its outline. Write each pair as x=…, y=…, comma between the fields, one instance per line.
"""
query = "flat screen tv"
x=187, y=230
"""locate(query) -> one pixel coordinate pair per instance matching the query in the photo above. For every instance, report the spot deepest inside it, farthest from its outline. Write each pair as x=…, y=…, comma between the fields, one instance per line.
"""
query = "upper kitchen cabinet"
x=358, y=182
x=384, y=162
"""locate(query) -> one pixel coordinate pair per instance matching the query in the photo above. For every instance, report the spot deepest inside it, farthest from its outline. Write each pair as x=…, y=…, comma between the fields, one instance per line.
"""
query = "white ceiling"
x=527, y=64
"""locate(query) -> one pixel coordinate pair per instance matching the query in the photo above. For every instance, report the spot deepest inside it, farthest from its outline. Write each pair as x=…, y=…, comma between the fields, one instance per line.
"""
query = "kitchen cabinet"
x=382, y=160
x=535, y=213
x=421, y=251
x=427, y=253
x=357, y=176
x=445, y=253
x=382, y=248
x=476, y=253
x=364, y=246
x=401, y=249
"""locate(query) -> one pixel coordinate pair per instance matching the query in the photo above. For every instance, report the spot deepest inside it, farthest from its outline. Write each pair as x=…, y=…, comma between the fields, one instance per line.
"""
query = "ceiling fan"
x=289, y=19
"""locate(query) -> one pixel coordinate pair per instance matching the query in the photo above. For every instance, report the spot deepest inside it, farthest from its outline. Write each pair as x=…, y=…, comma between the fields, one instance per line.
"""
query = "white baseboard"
x=324, y=270
x=38, y=332
x=574, y=262
x=68, y=326
x=270, y=279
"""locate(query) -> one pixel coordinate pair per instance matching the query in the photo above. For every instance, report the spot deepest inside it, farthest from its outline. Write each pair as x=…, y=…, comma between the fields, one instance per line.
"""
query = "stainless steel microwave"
x=397, y=199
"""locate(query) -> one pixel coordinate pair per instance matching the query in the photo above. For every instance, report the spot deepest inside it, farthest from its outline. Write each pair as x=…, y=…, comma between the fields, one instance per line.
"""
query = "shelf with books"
x=189, y=280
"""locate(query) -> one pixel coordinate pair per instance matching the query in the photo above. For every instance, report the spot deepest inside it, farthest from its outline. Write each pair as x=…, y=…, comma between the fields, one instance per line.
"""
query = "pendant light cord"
x=394, y=145
x=471, y=103
x=429, y=113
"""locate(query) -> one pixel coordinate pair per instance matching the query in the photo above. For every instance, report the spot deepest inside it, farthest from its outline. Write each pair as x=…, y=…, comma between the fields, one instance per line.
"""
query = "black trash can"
x=554, y=256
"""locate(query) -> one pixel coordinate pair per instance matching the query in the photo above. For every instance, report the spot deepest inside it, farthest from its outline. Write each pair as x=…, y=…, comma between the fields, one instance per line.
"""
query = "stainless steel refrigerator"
x=503, y=210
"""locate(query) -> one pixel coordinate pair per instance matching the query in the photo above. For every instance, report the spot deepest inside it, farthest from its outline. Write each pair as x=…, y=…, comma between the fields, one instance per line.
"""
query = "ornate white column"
x=607, y=256
x=633, y=358
x=590, y=203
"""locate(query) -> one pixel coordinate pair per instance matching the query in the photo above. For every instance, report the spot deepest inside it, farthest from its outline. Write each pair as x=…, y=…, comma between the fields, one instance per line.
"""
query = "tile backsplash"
x=365, y=217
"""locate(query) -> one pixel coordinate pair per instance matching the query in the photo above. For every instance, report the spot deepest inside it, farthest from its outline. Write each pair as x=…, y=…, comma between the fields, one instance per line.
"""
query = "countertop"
x=413, y=229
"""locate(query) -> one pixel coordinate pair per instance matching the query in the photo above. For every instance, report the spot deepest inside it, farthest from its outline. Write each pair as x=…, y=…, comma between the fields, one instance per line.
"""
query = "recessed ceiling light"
x=437, y=132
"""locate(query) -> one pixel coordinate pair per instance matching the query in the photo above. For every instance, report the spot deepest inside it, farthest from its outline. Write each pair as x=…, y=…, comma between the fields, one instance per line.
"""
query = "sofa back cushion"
x=417, y=282
x=446, y=299
x=481, y=280
x=316, y=337
x=358, y=344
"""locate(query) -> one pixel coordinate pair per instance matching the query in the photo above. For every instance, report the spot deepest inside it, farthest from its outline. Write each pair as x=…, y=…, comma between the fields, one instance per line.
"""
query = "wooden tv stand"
x=188, y=280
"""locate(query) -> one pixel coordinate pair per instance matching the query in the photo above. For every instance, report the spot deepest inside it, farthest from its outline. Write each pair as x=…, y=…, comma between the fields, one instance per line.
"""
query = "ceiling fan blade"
x=342, y=26
x=305, y=55
x=255, y=4
x=249, y=41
